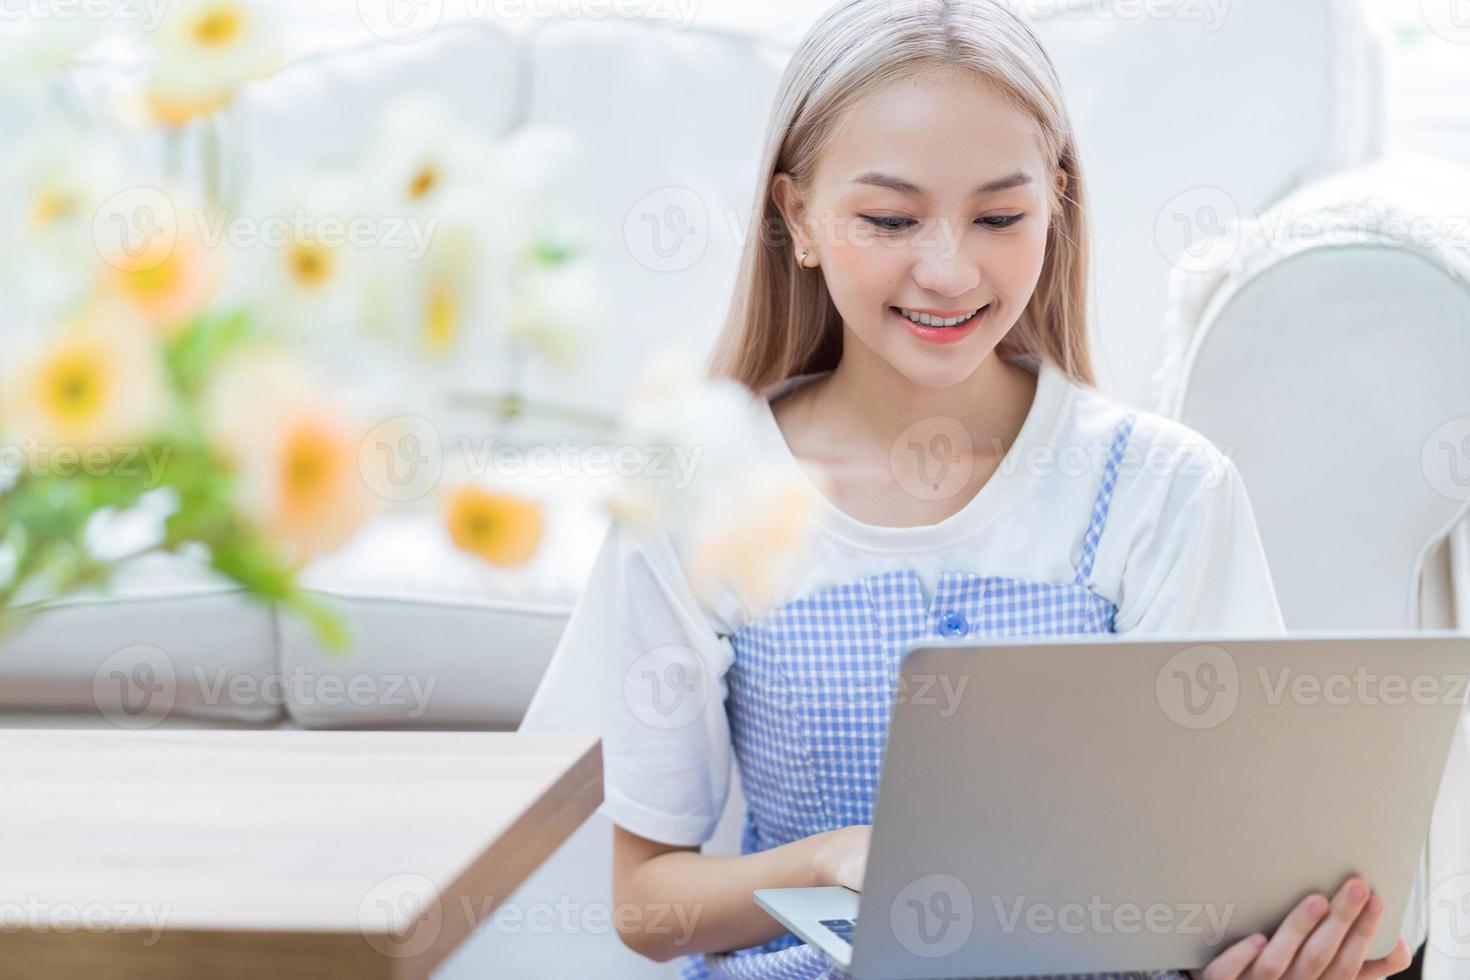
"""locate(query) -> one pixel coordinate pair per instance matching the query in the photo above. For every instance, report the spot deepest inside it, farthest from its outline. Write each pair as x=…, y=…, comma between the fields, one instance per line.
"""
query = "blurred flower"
x=706, y=426
x=293, y=452
x=168, y=277
x=553, y=307
x=311, y=283
x=43, y=40
x=445, y=288
x=750, y=535
x=205, y=50
x=431, y=173
x=59, y=176
x=547, y=291
x=100, y=381
x=502, y=528
x=538, y=161
x=423, y=156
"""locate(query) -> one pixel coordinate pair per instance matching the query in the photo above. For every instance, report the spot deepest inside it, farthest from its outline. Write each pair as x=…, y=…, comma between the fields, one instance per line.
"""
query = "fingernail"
x=1317, y=905
x=1258, y=940
x=1356, y=891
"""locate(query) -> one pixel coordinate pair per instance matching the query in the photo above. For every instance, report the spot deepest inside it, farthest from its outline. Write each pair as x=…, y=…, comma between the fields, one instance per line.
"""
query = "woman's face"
x=933, y=199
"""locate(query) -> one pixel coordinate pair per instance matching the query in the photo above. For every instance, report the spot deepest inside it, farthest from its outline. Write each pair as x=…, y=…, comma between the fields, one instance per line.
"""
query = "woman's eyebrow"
x=876, y=179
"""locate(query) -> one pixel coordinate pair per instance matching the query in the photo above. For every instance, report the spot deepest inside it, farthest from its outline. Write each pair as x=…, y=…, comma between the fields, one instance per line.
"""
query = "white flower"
x=423, y=157
x=308, y=275
x=551, y=308
x=205, y=50
x=58, y=177
x=433, y=304
x=33, y=47
x=701, y=428
x=750, y=535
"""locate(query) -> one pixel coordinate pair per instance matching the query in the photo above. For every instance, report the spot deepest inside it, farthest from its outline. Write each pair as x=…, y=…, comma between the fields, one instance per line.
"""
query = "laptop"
x=1058, y=805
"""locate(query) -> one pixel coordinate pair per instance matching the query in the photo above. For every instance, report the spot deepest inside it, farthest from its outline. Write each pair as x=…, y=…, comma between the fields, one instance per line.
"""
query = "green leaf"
x=193, y=352
x=330, y=629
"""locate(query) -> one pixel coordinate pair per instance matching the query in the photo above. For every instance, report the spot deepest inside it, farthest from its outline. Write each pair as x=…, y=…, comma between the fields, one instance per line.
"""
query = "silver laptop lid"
x=1062, y=805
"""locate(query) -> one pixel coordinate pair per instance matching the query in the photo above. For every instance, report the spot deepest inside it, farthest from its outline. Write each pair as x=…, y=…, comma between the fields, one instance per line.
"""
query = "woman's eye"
x=895, y=223
x=888, y=222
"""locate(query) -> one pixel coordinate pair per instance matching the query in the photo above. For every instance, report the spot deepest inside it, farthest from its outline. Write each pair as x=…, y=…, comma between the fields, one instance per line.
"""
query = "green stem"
x=210, y=151
x=511, y=406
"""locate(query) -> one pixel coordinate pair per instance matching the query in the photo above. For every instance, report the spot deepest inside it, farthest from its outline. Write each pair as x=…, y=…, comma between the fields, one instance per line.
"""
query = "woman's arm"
x=687, y=902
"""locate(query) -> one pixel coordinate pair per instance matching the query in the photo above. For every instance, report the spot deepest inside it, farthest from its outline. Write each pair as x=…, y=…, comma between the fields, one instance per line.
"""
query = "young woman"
x=912, y=310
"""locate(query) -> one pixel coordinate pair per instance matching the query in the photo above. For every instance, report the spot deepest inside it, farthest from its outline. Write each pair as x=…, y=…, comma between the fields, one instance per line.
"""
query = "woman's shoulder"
x=1151, y=447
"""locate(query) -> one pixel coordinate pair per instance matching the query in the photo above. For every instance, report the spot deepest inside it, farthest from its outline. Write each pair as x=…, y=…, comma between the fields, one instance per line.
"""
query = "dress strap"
x=1104, y=497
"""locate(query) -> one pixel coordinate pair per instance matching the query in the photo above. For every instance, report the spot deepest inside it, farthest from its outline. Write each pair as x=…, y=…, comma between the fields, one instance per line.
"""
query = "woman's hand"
x=1318, y=941
x=842, y=856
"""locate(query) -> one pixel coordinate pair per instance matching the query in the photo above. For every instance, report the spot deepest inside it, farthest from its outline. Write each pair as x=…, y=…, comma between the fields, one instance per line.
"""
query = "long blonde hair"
x=782, y=322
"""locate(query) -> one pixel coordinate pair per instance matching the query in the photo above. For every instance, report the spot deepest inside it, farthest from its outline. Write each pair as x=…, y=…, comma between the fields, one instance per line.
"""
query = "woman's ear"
x=1062, y=184
x=788, y=201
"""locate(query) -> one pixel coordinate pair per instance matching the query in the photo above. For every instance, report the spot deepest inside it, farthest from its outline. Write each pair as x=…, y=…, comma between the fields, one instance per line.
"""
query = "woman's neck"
x=878, y=404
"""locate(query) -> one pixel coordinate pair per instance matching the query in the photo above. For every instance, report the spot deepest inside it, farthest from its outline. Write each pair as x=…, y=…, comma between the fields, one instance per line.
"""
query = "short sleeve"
x=640, y=665
x=1194, y=561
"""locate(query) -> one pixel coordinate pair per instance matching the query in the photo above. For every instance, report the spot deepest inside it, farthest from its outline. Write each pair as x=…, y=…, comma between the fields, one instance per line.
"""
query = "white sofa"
x=1175, y=115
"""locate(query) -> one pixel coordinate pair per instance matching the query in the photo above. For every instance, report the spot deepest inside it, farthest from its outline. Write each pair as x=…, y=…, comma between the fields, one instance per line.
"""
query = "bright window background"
x=1427, y=74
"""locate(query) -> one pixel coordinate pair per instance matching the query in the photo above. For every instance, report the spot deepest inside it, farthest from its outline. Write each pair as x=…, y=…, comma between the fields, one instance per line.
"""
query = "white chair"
x=1324, y=346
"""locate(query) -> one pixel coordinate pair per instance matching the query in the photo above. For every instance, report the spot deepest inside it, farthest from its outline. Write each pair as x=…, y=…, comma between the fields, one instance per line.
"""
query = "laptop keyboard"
x=843, y=927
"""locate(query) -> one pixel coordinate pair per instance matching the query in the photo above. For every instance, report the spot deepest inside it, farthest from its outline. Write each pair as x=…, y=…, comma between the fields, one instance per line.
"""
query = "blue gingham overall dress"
x=810, y=689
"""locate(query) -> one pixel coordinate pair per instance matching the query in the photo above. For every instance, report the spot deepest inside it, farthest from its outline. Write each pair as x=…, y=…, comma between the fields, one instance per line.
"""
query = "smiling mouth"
x=941, y=318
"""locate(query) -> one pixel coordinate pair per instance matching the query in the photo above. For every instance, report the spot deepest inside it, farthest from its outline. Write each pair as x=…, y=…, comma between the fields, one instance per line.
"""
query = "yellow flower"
x=501, y=528
x=99, y=383
x=441, y=318
x=310, y=264
x=206, y=49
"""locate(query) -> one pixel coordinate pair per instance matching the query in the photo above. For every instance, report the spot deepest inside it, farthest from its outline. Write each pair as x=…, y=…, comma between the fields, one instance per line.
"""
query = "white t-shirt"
x=1179, y=553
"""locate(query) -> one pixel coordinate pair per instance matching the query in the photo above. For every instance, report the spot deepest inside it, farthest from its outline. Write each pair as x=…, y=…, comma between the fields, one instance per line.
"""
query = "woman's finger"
x=1350, y=957
x=1320, y=951
x=1232, y=964
x=1279, y=953
x=1395, y=962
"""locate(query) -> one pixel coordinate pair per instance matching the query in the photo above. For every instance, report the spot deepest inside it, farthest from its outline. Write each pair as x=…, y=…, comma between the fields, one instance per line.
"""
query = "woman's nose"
x=942, y=267
x=951, y=277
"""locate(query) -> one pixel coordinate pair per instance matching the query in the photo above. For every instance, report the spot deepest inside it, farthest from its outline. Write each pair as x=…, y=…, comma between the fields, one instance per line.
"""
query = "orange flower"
x=169, y=279
x=501, y=528
x=294, y=453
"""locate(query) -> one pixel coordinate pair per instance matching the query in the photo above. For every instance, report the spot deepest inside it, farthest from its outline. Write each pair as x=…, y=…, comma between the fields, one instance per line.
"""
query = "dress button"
x=953, y=624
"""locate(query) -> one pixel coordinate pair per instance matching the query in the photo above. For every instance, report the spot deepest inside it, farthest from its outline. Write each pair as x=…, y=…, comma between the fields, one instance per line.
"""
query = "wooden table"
x=225, y=854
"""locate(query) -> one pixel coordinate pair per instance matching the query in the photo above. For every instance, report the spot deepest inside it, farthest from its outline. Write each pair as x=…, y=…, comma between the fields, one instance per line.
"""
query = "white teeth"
x=924, y=319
